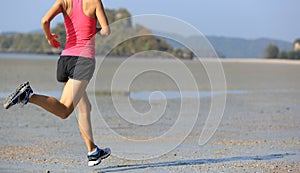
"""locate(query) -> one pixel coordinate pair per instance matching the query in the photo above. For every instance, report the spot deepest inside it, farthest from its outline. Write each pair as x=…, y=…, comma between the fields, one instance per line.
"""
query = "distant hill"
x=226, y=47
x=8, y=33
x=245, y=48
x=125, y=40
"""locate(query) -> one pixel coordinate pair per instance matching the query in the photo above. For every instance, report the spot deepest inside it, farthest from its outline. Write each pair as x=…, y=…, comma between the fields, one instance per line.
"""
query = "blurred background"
x=236, y=29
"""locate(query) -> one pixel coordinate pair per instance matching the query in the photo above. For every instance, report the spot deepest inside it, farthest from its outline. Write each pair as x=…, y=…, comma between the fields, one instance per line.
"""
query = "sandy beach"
x=258, y=131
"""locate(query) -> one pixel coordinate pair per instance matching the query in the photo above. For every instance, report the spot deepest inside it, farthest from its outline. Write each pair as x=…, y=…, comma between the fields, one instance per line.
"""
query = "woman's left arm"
x=102, y=18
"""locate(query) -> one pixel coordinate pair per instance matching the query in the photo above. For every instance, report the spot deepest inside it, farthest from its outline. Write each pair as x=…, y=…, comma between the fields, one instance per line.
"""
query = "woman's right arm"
x=101, y=16
x=54, y=11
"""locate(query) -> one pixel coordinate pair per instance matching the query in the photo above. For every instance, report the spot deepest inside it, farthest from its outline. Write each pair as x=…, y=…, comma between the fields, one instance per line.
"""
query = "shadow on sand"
x=120, y=168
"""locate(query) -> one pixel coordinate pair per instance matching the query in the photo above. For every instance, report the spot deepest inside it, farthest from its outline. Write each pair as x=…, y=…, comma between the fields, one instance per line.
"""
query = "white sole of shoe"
x=94, y=163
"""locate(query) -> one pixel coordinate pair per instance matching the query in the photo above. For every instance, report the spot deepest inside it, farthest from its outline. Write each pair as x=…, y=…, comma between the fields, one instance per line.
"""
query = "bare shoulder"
x=60, y=2
x=97, y=3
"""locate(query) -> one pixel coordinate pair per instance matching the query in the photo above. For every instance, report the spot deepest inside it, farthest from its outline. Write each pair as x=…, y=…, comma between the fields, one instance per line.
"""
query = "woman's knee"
x=65, y=114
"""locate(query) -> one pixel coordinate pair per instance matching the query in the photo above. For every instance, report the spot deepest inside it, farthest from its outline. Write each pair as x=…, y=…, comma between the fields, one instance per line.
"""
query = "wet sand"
x=259, y=131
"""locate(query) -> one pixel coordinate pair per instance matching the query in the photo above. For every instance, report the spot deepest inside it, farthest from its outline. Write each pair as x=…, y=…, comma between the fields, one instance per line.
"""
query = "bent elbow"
x=45, y=21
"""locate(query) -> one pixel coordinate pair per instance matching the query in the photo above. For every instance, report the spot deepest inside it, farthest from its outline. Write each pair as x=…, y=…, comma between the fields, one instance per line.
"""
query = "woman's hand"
x=46, y=20
x=53, y=41
x=105, y=31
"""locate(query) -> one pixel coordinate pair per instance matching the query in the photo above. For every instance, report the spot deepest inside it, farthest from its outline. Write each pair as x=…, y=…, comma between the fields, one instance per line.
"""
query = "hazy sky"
x=279, y=19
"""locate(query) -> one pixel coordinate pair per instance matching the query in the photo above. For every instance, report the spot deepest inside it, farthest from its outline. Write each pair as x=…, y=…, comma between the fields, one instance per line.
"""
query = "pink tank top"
x=80, y=30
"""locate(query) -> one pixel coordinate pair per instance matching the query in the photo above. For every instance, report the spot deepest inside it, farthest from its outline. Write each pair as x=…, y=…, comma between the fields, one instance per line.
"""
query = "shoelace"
x=23, y=101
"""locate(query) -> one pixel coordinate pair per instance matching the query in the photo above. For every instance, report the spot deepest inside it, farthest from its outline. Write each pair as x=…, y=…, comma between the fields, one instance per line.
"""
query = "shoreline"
x=22, y=56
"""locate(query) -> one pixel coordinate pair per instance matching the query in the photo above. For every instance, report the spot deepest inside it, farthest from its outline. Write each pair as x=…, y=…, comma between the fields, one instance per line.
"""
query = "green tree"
x=122, y=30
x=5, y=42
x=297, y=55
x=272, y=51
x=283, y=55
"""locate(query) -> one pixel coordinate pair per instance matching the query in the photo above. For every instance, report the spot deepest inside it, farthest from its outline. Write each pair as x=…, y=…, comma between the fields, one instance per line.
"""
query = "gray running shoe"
x=21, y=95
x=98, y=155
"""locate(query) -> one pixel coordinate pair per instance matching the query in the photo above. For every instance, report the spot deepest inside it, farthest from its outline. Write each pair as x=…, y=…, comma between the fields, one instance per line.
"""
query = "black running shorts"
x=75, y=67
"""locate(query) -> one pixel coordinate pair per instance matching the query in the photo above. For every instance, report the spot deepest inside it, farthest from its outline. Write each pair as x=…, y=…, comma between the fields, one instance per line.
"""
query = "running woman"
x=75, y=67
